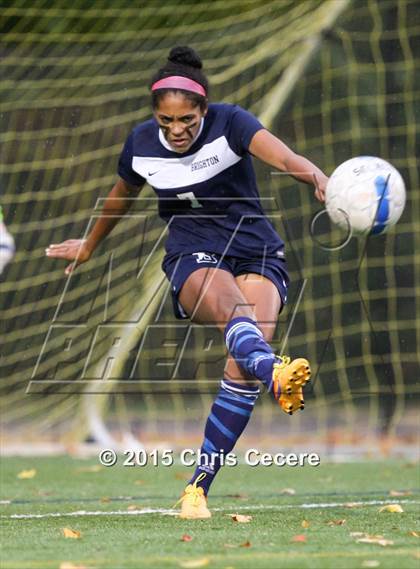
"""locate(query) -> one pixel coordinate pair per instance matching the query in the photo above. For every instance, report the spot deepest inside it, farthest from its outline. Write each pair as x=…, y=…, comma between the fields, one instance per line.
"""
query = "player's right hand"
x=74, y=250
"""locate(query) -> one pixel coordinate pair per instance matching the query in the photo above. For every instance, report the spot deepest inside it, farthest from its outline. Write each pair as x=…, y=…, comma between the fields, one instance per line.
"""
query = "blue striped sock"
x=228, y=418
x=246, y=344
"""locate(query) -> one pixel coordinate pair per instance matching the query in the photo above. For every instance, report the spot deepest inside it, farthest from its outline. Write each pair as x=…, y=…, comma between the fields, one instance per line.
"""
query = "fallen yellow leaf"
x=70, y=565
x=393, y=508
x=71, y=533
x=378, y=541
x=414, y=533
x=336, y=522
x=397, y=493
x=289, y=491
x=240, y=518
x=24, y=474
x=193, y=563
x=305, y=524
x=133, y=507
x=363, y=534
x=370, y=563
x=352, y=505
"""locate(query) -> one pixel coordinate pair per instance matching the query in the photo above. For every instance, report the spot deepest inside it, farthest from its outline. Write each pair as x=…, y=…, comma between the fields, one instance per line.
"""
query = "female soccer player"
x=223, y=257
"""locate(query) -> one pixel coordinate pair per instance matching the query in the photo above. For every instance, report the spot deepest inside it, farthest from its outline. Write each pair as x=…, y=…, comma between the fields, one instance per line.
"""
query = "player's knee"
x=230, y=305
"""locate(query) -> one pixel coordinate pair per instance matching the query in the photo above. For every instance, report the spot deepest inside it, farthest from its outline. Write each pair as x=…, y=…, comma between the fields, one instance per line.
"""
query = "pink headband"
x=178, y=82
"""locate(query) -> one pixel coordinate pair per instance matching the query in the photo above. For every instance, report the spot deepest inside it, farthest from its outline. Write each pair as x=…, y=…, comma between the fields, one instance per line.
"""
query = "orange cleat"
x=194, y=502
x=289, y=377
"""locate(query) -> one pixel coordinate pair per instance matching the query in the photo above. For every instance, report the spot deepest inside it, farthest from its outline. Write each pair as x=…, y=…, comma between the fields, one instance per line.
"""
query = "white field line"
x=175, y=513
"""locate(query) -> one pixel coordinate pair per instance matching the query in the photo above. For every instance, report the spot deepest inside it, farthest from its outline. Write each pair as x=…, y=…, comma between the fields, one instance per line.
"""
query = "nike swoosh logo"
x=152, y=173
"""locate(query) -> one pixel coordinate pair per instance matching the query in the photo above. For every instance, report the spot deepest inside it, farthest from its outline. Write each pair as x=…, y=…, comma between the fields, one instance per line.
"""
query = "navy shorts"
x=178, y=269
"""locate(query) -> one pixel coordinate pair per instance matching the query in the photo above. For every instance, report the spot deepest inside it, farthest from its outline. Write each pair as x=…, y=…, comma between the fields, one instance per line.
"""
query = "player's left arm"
x=274, y=152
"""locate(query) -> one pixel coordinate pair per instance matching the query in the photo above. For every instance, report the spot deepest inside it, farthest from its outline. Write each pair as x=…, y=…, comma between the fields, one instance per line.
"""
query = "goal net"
x=101, y=352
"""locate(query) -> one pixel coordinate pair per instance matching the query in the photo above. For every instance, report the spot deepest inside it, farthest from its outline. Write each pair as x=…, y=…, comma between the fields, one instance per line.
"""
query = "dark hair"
x=183, y=61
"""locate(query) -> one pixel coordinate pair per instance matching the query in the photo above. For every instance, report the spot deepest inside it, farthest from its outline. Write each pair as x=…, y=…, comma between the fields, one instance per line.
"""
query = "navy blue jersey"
x=208, y=195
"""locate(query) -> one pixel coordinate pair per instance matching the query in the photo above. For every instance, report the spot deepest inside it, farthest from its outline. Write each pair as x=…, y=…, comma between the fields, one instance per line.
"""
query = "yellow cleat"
x=194, y=502
x=289, y=377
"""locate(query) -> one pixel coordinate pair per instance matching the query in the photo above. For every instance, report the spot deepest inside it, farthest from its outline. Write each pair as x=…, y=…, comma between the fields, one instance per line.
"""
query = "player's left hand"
x=320, y=188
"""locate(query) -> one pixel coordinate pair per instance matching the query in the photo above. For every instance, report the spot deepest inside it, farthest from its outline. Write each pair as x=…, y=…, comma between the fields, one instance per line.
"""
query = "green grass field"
x=129, y=535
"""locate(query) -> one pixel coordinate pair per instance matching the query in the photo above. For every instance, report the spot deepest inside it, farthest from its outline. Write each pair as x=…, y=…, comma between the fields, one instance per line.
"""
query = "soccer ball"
x=365, y=195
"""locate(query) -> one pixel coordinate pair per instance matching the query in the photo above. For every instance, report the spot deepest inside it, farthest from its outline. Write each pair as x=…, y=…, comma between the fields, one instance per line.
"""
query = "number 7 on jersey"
x=189, y=196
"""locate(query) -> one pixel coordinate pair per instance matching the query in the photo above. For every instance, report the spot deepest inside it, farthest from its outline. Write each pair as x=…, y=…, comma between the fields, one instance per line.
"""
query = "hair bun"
x=185, y=55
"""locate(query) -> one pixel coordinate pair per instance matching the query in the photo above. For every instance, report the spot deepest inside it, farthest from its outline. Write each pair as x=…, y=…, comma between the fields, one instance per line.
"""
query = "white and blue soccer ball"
x=365, y=194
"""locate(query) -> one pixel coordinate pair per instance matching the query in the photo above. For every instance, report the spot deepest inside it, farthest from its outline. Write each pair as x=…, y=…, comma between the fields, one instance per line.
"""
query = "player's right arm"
x=116, y=205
